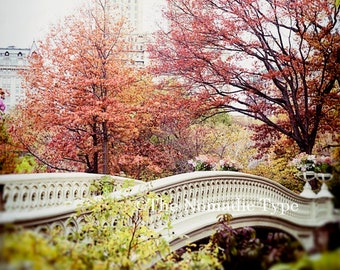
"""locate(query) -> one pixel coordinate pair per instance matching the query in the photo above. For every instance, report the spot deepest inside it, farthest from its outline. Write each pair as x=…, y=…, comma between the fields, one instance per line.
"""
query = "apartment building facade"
x=12, y=61
x=133, y=11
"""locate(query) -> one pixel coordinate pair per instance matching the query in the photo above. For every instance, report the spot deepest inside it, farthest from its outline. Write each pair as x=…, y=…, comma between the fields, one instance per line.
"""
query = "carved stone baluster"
x=34, y=196
x=10, y=190
x=67, y=192
x=192, y=207
x=184, y=197
x=184, y=202
x=59, y=195
x=51, y=194
x=25, y=197
x=233, y=192
x=213, y=191
x=174, y=210
x=208, y=194
x=85, y=190
x=75, y=191
x=218, y=191
x=201, y=197
x=197, y=198
x=251, y=194
x=226, y=195
x=42, y=195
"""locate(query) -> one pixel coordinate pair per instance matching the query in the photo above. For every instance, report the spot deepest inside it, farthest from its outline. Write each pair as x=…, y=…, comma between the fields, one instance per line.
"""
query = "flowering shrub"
x=229, y=165
x=323, y=164
x=304, y=162
x=2, y=107
x=204, y=163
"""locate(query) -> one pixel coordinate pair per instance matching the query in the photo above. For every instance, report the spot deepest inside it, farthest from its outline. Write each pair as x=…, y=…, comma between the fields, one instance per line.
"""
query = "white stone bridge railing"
x=196, y=199
x=239, y=194
x=28, y=192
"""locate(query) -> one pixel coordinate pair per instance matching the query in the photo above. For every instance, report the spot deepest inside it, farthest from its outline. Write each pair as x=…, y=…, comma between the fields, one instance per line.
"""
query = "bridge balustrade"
x=27, y=192
x=43, y=201
x=240, y=195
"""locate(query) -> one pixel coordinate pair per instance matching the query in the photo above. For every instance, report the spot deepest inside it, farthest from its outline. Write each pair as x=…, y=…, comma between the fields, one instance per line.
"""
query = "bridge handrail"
x=193, y=193
x=27, y=192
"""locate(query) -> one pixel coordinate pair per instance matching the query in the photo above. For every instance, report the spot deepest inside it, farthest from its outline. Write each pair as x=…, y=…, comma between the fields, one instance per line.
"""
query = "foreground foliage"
x=129, y=244
x=326, y=261
x=115, y=235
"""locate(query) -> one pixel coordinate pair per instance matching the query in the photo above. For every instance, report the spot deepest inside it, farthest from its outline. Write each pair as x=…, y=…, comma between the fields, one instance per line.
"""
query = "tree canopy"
x=274, y=61
x=88, y=108
x=76, y=82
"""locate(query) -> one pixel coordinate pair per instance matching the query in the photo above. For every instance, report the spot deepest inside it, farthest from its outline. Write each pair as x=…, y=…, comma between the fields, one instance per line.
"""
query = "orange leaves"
x=88, y=109
x=76, y=97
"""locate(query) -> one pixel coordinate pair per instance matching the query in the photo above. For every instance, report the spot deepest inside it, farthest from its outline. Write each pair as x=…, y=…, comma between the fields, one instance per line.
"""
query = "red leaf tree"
x=89, y=109
x=73, y=109
x=275, y=61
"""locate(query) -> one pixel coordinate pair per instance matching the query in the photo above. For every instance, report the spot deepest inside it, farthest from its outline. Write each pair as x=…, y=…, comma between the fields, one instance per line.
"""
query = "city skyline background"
x=22, y=22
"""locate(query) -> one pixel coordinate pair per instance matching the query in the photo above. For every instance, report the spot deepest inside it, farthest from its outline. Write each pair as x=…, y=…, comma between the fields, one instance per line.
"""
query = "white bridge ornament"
x=43, y=201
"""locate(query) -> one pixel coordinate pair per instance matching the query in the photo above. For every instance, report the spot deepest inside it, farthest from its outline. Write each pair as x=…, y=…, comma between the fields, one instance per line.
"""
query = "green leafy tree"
x=275, y=165
x=28, y=164
x=228, y=137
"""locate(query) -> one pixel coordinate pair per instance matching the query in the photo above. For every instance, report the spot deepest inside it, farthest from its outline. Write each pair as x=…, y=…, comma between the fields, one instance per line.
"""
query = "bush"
x=115, y=235
x=326, y=261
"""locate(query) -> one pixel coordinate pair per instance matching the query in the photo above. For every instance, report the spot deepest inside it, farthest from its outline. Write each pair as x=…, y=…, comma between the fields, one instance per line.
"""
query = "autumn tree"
x=226, y=137
x=160, y=145
x=175, y=114
x=9, y=152
x=87, y=106
x=260, y=58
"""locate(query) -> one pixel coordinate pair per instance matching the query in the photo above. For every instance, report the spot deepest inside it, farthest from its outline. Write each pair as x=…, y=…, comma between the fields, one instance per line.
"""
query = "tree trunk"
x=105, y=149
x=95, y=154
